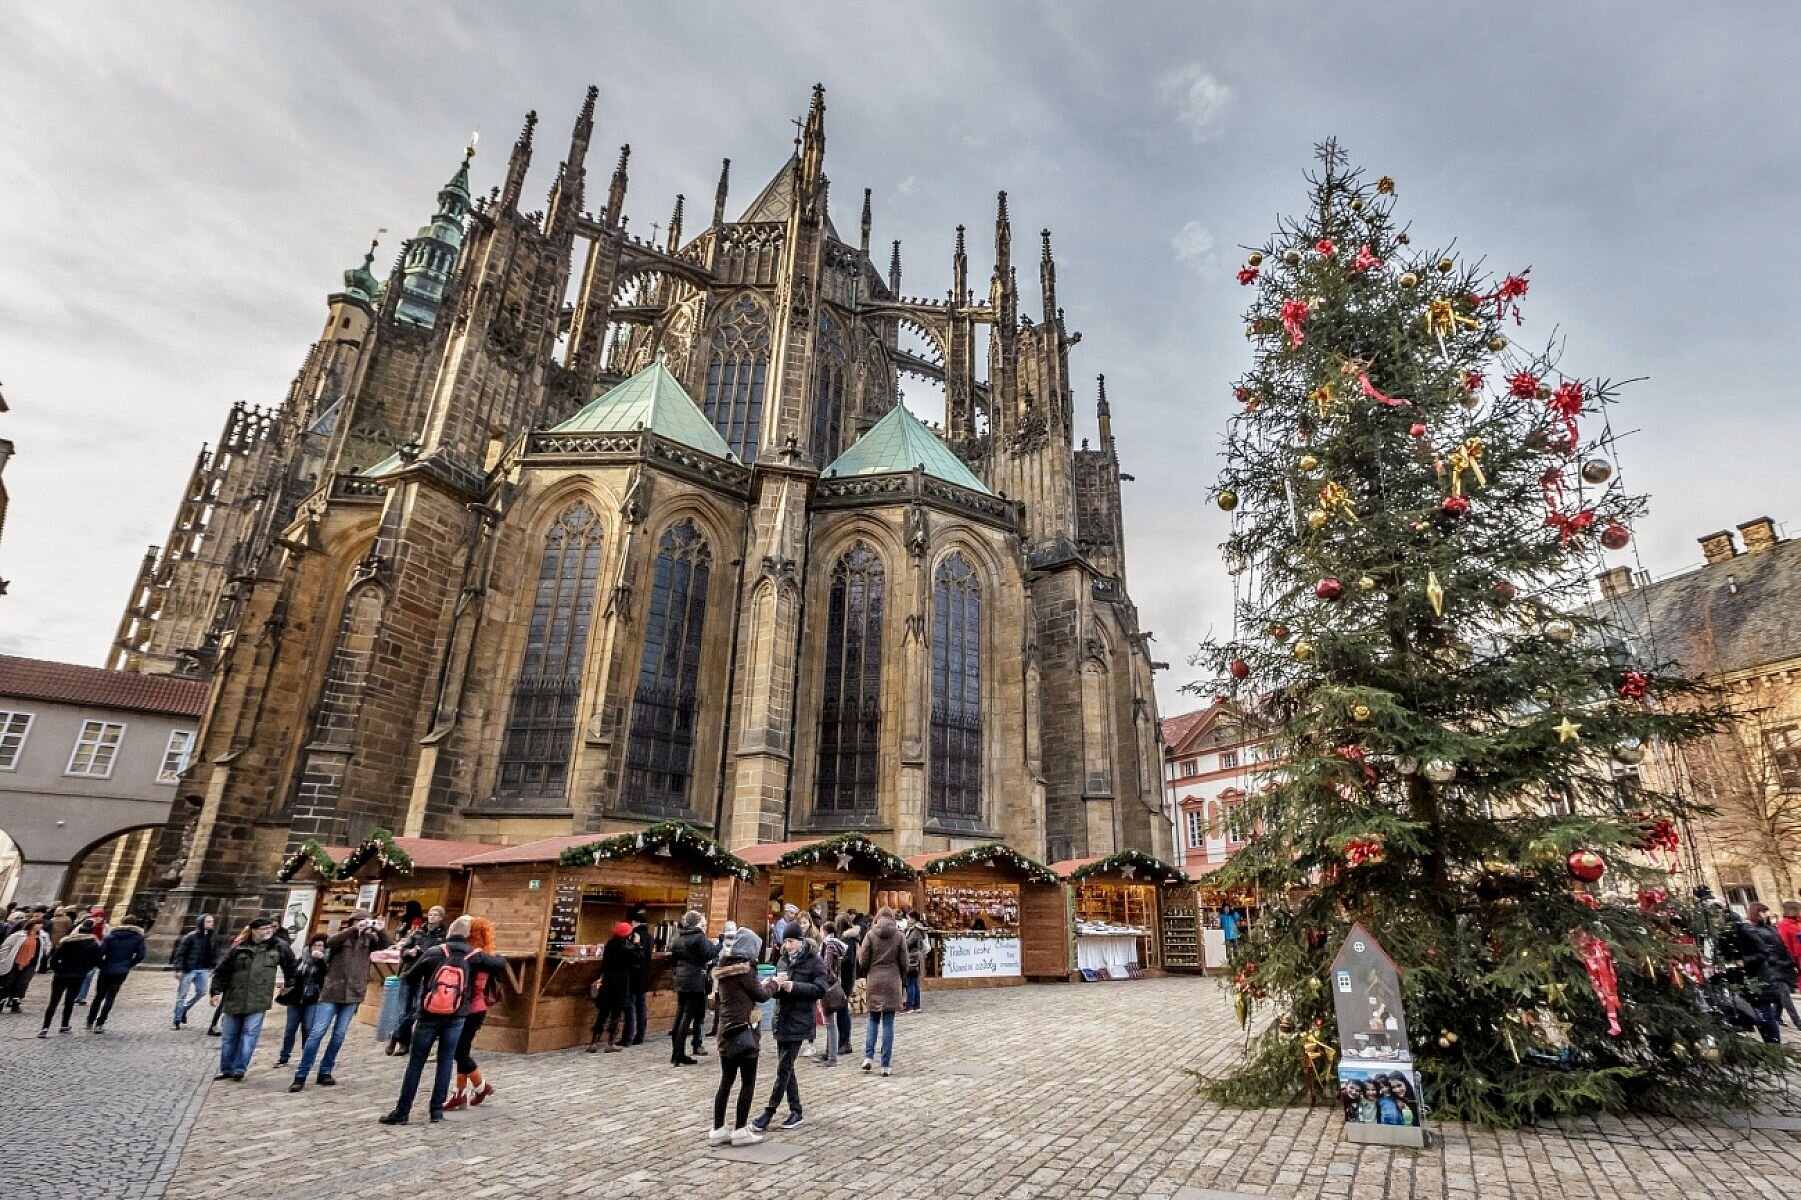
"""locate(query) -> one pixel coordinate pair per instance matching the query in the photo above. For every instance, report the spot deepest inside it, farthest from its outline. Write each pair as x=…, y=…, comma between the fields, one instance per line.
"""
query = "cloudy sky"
x=181, y=185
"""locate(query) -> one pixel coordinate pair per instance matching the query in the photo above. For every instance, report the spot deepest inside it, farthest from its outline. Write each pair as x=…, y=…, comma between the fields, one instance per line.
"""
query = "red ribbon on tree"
x=1294, y=315
x=1649, y=899
x=1566, y=402
x=1511, y=289
x=1634, y=686
x=1369, y=389
x=1365, y=260
x=1361, y=850
x=1247, y=274
x=1325, y=246
x=1660, y=840
x=1523, y=384
x=1570, y=525
x=1354, y=754
x=1472, y=381
x=1597, y=959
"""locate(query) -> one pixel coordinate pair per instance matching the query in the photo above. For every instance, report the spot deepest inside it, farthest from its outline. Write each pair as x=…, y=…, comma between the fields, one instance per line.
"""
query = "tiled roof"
x=764, y=854
x=1177, y=728
x=1072, y=864
x=435, y=854
x=652, y=399
x=544, y=850
x=897, y=443
x=96, y=687
x=776, y=201
x=1725, y=617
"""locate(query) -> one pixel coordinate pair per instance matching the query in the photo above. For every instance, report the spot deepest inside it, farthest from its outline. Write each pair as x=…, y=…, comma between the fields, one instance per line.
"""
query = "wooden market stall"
x=398, y=876
x=996, y=917
x=847, y=873
x=1131, y=914
x=554, y=903
x=1224, y=913
x=317, y=898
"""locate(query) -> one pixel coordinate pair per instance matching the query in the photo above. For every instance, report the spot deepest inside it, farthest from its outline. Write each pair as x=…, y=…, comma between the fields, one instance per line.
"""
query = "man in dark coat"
x=244, y=989
x=194, y=957
x=441, y=1029
x=412, y=947
x=346, y=981
x=800, y=983
x=1767, y=960
x=691, y=950
x=637, y=1009
x=120, y=950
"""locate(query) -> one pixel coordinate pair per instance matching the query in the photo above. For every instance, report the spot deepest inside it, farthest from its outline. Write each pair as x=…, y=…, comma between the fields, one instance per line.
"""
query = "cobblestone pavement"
x=1054, y=1091
x=101, y=1117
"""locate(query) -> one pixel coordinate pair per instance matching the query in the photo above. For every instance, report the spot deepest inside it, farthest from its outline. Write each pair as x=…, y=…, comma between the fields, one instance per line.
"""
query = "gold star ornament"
x=1567, y=731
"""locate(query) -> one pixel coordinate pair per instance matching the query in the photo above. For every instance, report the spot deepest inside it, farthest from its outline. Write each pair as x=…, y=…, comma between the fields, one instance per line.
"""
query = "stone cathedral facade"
x=561, y=530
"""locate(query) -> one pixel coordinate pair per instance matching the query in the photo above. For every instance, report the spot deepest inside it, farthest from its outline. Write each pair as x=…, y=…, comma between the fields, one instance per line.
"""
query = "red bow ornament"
x=1247, y=274
x=1294, y=315
x=1566, y=404
x=1634, y=686
x=1511, y=289
x=1365, y=260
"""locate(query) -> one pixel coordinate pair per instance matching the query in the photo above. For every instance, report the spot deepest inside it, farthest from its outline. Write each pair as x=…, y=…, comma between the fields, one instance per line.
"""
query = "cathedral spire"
x=1003, y=238
x=960, y=272
x=865, y=243
x=616, y=192
x=812, y=142
x=1047, y=278
x=725, y=178
x=1103, y=413
x=566, y=193
x=675, y=225
x=518, y=164
x=894, y=269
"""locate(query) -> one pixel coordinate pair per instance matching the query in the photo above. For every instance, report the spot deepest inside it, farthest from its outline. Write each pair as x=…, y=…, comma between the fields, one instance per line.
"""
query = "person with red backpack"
x=446, y=978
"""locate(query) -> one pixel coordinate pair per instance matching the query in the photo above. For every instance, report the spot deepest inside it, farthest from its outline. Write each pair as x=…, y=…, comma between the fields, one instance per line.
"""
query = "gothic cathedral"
x=527, y=553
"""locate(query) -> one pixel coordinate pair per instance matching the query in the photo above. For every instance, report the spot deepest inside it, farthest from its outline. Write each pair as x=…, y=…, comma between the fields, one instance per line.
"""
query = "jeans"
x=637, y=1018
x=87, y=981
x=321, y=1017
x=441, y=1032
x=742, y=1070
x=911, y=986
x=238, y=1034
x=403, y=1034
x=196, y=979
x=293, y=1030
x=690, y=1015
x=63, y=989
x=785, y=1083
x=885, y=1022
x=832, y=1041
x=1769, y=1021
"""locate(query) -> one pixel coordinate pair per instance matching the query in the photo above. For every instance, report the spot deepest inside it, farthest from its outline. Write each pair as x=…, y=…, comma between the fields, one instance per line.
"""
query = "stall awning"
x=545, y=850
x=383, y=852
x=993, y=854
x=1129, y=864
x=841, y=851
x=321, y=860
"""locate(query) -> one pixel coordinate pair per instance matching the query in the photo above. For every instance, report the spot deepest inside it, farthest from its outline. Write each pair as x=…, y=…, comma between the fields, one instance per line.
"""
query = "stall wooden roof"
x=764, y=854
x=436, y=854
x=1068, y=865
x=544, y=850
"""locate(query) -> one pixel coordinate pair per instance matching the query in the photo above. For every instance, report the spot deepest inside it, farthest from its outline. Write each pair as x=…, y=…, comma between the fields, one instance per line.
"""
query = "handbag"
x=739, y=1041
x=835, y=998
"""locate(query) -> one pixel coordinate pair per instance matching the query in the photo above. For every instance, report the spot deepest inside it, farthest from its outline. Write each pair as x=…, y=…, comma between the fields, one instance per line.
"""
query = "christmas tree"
x=1418, y=500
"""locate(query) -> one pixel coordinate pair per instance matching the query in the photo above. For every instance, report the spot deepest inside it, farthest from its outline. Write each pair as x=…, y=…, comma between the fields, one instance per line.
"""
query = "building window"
x=1784, y=747
x=1740, y=890
x=1228, y=759
x=955, y=786
x=95, y=749
x=660, y=750
x=850, y=715
x=13, y=728
x=1191, y=768
x=1197, y=828
x=736, y=374
x=534, y=759
x=828, y=392
x=176, y=755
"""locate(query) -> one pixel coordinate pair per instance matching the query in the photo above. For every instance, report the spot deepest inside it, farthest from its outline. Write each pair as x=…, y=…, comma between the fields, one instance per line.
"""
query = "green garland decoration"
x=379, y=845
x=986, y=855
x=310, y=851
x=854, y=844
x=1150, y=868
x=673, y=835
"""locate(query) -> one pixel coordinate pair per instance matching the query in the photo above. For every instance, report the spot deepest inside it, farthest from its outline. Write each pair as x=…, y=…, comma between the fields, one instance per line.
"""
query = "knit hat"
x=623, y=929
x=262, y=922
x=792, y=910
x=746, y=944
x=692, y=920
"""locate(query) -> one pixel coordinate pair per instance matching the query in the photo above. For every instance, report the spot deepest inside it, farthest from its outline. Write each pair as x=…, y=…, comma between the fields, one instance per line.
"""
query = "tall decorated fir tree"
x=1418, y=499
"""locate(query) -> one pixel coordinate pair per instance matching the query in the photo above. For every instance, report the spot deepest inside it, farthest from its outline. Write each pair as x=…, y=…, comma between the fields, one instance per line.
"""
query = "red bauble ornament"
x=1328, y=589
x=1587, y=866
x=1615, y=536
x=1417, y=430
x=1505, y=590
x=1279, y=632
x=1634, y=686
x=1325, y=246
x=1455, y=506
x=1240, y=669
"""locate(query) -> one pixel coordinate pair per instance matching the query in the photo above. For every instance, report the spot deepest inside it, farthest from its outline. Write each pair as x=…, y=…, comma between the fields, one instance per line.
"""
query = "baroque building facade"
x=560, y=530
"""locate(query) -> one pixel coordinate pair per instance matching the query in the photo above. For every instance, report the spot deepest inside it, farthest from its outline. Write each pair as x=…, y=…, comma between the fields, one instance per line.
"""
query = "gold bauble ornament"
x=1308, y=462
x=1303, y=651
x=1444, y=1043
x=1250, y=331
x=1403, y=239
x=1679, y=1052
x=1497, y=343
x=1408, y=279
x=1360, y=712
x=1559, y=630
x=1386, y=185
x=1445, y=265
x=1711, y=1053
x=1227, y=501
x=1315, y=303
x=1256, y=258
x=1316, y=518
x=1292, y=257
x=1366, y=583
x=1356, y=203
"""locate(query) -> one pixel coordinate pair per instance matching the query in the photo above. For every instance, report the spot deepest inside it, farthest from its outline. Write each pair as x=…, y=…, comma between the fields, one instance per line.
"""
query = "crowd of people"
x=78, y=950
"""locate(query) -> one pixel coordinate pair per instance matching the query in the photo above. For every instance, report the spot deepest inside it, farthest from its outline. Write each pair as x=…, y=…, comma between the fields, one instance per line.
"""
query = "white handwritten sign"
x=980, y=957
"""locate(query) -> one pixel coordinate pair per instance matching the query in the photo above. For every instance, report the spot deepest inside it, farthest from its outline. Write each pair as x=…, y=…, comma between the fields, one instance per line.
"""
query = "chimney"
x=1759, y=534
x=1718, y=547
x=1615, y=581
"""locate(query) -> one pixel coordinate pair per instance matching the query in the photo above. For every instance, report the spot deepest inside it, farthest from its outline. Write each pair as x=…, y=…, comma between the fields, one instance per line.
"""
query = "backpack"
x=447, y=988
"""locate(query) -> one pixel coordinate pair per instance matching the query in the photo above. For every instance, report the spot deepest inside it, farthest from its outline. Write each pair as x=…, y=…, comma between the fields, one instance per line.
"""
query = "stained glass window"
x=850, y=714
x=659, y=758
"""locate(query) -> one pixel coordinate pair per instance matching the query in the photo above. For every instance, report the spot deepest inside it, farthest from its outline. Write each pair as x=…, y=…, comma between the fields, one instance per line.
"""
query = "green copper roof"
x=900, y=443
x=391, y=463
x=653, y=400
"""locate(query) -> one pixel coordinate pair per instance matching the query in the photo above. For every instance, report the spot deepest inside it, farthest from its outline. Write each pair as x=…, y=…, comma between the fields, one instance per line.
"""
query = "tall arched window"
x=534, y=759
x=735, y=374
x=659, y=755
x=850, y=711
x=828, y=391
x=955, y=788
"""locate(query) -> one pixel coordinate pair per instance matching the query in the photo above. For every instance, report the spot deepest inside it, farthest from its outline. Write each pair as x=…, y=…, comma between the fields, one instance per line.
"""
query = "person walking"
x=738, y=993
x=341, y=989
x=799, y=986
x=836, y=999
x=196, y=953
x=243, y=988
x=851, y=934
x=446, y=976
x=120, y=950
x=727, y=936
x=300, y=997
x=70, y=962
x=97, y=918
x=471, y=1088
x=884, y=963
x=23, y=954
x=61, y=925
x=611, y=992
x=1780, y=968
x=691, y=951
x=637, y=1011
x=422, y=938
x=919, y=945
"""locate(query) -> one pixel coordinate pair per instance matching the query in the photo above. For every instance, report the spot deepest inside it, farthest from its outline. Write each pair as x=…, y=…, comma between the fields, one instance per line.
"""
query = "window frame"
x=959, y=665
x=857, y=589
x=24, y=734
x=163, y=773
x=1195, y=825
x=1228, y=760
x=112, y=760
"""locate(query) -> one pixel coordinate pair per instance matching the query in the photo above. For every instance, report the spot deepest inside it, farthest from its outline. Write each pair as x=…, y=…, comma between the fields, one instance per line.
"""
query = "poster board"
x=964, y=957
x=1378, y=1087
x=297, y=912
